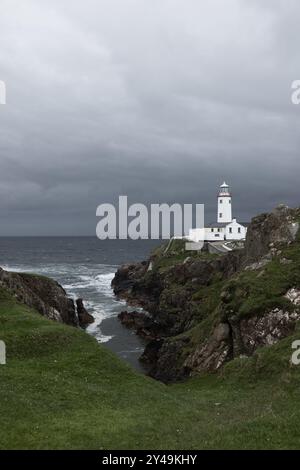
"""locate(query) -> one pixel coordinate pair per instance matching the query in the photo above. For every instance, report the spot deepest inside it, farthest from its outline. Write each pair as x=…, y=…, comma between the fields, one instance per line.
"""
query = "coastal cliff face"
x=205, y=310
x=46, y=296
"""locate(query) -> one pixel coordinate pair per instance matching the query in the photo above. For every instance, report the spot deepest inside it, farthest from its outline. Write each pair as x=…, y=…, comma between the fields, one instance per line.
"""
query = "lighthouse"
x=226, y=229
x=224, y=205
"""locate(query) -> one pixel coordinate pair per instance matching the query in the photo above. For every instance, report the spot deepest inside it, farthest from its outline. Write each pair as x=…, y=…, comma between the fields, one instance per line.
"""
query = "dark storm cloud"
x=158, y=100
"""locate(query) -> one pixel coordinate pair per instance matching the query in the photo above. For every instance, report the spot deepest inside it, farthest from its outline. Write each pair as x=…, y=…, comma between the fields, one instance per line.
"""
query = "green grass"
x=176, y=254
x=256, y=292
x=61, y=390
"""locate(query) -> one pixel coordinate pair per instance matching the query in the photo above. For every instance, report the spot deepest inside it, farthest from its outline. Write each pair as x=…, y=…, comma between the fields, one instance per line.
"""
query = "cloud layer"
x=157, y=100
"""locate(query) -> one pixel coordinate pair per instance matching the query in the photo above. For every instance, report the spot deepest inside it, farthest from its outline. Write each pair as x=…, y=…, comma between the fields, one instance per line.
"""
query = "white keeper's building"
x=226, y=227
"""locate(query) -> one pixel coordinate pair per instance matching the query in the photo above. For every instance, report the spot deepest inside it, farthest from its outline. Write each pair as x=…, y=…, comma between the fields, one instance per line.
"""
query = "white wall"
x=206, y=234
x=224, y=208
x=235, y=231
x=215, y=235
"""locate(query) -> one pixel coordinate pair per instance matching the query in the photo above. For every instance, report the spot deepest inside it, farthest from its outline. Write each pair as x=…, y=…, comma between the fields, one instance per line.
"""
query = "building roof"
x=224, y=185
x=246, y=224
x=218, y=224
x=224, y=224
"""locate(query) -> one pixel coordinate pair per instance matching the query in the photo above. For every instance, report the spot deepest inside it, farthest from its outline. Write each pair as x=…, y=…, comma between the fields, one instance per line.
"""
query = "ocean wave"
x=99, y=281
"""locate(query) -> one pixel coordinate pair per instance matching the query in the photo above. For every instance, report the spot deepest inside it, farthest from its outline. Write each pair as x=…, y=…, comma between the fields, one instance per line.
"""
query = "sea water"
x=85, y=267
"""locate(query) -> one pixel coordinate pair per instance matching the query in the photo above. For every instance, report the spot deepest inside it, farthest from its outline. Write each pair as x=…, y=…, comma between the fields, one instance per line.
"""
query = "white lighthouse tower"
x=224, y=204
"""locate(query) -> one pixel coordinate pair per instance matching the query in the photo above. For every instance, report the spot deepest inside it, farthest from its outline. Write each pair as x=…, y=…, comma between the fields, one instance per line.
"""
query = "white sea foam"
x=100, y=281
x=99, y=286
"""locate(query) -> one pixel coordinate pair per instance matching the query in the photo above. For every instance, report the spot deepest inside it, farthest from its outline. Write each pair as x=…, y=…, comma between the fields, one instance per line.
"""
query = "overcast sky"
x=159, y=100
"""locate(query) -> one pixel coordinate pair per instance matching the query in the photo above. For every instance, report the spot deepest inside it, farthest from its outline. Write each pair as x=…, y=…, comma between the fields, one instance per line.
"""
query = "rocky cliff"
x=46, y=296
x=203, y=310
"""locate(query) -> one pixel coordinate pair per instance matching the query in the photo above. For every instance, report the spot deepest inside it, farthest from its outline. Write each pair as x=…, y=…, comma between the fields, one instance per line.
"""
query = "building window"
x=230, y=229
x=239, y=230
x=221, y=201
x=220, y=215
x=219, y=230
x=229, y=200
x=212, y=229
x=217, y=234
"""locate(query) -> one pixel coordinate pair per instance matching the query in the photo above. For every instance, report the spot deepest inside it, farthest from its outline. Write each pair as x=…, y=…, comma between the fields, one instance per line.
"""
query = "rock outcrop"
x=206, y=309
x=242, y=339
x=142, y=323
x=84, y=317
x=268, y=230
x=42, y=294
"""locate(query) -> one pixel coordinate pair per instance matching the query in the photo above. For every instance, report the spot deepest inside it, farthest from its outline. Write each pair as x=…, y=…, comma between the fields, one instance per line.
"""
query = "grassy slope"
x=60, y=389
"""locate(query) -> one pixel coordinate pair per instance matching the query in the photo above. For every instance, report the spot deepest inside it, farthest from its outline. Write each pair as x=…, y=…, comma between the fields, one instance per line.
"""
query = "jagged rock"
x=268, y=230
x=243, y=337
x=162, y=357
x=212, y=354
x=293, y=295
x=268, y=329
x=41, y=293
x=126, y=276
x=84, y=317
x=141, y=323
